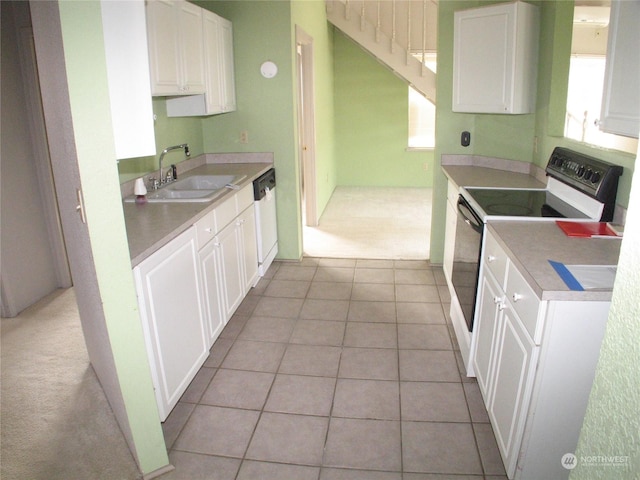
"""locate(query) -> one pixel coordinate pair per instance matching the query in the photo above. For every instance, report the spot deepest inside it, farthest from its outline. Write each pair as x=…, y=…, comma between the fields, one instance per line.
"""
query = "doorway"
x=33, y=249
x=306, y=128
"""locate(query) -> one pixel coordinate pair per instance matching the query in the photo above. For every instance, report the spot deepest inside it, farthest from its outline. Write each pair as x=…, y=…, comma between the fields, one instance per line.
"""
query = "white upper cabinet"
x=125, y=44
x=220, y=95
x=495, y=59
x=621, y=97
x=176, y=48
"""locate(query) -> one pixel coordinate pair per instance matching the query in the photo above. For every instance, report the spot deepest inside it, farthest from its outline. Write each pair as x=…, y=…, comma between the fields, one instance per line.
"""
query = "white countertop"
x=476, y=176
x=152, y=225
x=531, y=244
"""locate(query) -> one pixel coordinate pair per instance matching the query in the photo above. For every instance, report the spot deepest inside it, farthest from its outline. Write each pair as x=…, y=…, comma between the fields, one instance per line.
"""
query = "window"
x=422, y=113
x=586, y=80
x=422, y=121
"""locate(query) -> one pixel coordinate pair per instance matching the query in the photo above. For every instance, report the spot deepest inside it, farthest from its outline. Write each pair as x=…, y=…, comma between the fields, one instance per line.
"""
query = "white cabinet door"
x=515, y=361
x=247, y=225
x=169, y=289
x=229, y=245
x=176, y=46
x=164, y=47
x=495, y=58
x=219, y=96
x=488, y=324
x=214, y=97
x=227, y=68
x=621, y=97
x=212, y=287
x=125, y=45
x=192, y=48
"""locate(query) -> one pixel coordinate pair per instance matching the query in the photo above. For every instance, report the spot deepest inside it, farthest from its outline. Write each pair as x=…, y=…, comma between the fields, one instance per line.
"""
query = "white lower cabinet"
x=228, y=243
x=512, y=379
x=487, y=326
x=169, y=287
x=503, y=360
x=247, y=226
x=212, y=286
x=535, y=362
x=237, y=248
x=188, y=290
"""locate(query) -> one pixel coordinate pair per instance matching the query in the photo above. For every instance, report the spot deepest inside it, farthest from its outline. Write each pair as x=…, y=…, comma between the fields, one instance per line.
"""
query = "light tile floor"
x=336, y=369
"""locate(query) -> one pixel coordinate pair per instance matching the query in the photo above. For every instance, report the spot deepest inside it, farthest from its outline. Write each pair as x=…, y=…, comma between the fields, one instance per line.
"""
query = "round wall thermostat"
x=268, y=69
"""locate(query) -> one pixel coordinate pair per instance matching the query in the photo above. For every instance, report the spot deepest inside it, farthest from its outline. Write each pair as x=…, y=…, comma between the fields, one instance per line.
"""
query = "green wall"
x=310, y=17
x=261, y=32
x=169, y=131
x=511, y=136
x=612, y=423
x=85, y=65
x=267, y=108
x=371, y=106
x=553, y=65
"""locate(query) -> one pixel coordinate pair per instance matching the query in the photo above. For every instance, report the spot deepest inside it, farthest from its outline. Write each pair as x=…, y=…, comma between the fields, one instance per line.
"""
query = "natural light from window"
x=422, y=113
x=586, y=80
x=422, y=121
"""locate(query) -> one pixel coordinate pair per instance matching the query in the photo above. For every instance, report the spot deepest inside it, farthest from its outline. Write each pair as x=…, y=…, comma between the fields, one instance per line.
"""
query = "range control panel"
x=588, y=174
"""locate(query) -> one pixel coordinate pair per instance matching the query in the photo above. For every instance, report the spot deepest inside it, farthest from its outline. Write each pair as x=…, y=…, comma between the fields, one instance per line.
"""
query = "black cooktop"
x=522, y=203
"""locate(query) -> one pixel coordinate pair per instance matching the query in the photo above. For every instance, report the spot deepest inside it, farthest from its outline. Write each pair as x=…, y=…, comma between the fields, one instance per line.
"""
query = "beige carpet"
x=56, y=422
x=373, y=222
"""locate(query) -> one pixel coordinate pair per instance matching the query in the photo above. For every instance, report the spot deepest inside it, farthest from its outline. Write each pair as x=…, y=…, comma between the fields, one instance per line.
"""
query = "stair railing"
x=393, y=35
x=385, y=28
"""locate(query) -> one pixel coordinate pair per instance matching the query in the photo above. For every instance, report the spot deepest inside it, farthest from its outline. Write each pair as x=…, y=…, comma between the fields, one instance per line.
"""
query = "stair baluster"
x=378, y=32
x=408, y=32
x=378, y=24
x=424, y=35
x=393, y=26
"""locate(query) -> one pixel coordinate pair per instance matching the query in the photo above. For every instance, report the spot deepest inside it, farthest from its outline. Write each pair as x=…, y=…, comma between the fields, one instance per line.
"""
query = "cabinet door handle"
x=208, y=230
x=491, y=258
x=517, y=296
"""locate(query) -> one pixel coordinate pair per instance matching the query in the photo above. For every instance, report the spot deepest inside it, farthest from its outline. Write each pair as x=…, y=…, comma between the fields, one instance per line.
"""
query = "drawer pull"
x=491, y=258
x=517, y=296
x=208, y=230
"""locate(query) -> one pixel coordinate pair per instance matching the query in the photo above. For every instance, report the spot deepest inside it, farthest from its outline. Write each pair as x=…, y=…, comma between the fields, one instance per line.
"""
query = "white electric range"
x=580, y=187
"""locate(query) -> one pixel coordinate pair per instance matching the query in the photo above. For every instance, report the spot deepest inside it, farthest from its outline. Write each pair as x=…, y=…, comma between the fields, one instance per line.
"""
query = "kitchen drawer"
x=226, y=212
x=495, y=259
x=524, y=301
x=245, y=197
x=205, y=229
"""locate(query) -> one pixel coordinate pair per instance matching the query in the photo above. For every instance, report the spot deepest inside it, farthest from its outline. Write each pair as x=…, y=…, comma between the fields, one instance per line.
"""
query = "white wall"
x=28, y=269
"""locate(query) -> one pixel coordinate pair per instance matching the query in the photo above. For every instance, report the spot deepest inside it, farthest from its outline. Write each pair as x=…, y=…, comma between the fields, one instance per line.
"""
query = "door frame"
x=306, y=128
x=42, y=158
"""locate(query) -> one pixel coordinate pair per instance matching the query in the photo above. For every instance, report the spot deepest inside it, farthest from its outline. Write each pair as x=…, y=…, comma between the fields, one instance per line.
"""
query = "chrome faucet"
x=185, y=146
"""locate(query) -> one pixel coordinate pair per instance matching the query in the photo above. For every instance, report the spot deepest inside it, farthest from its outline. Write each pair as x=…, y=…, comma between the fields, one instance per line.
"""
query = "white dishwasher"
x=264, y=194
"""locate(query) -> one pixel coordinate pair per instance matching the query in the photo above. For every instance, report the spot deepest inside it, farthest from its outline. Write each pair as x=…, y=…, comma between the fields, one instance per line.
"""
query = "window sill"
x=419, y=149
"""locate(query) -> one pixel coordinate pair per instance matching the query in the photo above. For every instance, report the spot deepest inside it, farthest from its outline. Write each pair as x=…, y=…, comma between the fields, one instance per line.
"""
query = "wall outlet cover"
x=465, y=139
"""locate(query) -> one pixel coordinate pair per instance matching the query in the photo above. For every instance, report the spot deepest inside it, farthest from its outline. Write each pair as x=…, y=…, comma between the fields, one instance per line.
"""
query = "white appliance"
x=264, y=194
x=579, y=187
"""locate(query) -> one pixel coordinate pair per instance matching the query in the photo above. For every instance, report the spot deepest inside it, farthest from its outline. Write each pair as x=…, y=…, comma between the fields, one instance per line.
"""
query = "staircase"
x=395, y=32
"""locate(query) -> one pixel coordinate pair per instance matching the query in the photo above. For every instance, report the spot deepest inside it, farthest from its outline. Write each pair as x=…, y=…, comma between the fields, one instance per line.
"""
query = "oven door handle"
x=469, y=216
